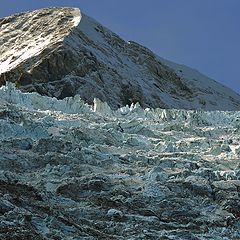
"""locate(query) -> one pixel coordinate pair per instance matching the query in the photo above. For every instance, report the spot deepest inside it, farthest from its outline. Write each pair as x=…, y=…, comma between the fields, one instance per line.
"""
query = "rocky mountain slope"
x=70, y=171
x=61, y=52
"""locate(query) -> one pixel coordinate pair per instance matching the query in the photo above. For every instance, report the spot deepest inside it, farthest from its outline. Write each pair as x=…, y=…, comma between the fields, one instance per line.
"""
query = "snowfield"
x=69, y=170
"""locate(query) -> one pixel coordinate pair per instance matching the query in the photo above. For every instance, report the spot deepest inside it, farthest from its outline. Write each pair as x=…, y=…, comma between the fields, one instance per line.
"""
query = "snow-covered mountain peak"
x=71, y=170
x=26, y=35
x=61, y=52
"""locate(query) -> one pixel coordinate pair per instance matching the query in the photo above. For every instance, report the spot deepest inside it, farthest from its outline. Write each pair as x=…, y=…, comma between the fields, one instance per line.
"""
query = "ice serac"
x=70, y=171
x=61, y=52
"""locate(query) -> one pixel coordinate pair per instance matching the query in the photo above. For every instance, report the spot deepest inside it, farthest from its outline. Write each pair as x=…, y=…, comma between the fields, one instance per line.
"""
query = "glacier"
x=69, y=170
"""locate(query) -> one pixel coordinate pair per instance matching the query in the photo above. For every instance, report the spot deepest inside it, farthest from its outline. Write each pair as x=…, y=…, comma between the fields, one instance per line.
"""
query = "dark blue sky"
x=203, y=34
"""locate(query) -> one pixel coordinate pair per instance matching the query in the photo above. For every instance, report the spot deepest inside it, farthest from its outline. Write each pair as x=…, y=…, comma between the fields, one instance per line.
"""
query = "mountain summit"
x=70, y=170
x=61, y=52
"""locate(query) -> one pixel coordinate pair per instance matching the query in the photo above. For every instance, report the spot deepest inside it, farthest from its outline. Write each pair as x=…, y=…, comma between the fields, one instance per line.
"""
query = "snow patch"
x=76, y=17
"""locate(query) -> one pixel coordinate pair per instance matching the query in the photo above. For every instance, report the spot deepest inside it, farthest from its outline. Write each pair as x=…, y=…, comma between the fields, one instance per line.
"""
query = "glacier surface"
x=69, y=170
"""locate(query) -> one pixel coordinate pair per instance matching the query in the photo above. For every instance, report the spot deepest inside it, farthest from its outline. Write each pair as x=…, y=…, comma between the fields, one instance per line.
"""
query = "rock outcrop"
x=61, y=52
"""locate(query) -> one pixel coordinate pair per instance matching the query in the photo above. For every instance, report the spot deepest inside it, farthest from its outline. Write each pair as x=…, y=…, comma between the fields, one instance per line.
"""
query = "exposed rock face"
x=75, y=173
x=61, y=52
